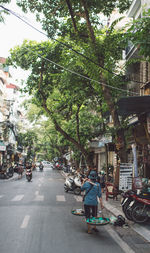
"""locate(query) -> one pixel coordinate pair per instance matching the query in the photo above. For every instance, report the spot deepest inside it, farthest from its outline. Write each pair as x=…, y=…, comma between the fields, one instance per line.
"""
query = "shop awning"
x=133, y=105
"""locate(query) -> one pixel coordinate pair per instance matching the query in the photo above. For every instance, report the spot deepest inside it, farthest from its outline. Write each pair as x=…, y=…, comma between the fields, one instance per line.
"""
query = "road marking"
x=1, y=196
x=37, y=193
x=39, y=198
x=78, y=198
x=41, y=179
x=25, y=221
x=60, y=198
x=18, y=198
x=39, y=185
x=125, y=247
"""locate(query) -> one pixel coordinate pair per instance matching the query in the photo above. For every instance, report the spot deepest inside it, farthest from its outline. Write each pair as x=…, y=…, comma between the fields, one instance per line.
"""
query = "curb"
x=139, y=229
x=11, y=178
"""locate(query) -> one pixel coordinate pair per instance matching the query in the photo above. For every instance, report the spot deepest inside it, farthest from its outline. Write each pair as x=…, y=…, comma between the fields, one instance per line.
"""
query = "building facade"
x=10, y=116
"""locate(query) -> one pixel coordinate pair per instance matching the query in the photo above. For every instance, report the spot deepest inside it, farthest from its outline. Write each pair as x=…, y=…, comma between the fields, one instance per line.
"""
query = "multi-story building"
x=137, y=107
x=9, y=115
x=139, y=75
x=138, y=72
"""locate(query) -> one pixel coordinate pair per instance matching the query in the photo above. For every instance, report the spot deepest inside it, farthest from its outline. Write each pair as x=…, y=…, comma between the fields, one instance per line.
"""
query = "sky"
x=14, y=31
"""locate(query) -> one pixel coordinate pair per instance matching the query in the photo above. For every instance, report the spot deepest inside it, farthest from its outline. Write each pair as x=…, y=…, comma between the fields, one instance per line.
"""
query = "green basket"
x=79, y=212
x=98, y=221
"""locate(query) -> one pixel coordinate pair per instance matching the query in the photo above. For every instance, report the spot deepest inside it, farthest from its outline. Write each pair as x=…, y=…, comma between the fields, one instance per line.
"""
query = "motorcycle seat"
x=145, y=195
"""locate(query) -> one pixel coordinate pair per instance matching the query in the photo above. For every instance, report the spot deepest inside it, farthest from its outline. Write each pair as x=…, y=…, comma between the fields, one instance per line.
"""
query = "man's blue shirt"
x=91, y=197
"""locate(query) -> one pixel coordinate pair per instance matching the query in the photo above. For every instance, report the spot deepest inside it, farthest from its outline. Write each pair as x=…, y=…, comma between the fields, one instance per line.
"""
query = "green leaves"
x=139, y=34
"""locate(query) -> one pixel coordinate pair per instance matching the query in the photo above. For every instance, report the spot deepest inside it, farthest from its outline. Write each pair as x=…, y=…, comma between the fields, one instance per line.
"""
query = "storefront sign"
x=125, y=181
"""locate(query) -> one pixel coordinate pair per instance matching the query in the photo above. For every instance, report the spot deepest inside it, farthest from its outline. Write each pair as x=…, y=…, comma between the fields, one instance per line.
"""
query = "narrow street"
x=36, y=218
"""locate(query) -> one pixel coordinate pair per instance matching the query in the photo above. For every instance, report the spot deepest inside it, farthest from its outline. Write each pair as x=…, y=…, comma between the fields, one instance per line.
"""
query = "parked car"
x=46, y=163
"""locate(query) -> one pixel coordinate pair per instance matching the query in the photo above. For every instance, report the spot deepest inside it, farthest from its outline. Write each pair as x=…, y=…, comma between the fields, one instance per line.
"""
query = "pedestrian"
x=92, y=193
x=91, y=168
x=102, y=180
x=20, y=170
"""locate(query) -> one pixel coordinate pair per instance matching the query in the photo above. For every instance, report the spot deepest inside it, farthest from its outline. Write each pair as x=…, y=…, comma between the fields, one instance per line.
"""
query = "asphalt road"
x=35, y=217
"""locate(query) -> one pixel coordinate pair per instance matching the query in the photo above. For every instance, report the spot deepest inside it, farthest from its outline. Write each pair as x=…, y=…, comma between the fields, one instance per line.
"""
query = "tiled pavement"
x=114, y=206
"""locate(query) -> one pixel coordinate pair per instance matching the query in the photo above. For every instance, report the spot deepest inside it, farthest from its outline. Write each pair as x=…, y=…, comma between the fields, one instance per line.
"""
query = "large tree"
x=80, y=21
x=67, y=99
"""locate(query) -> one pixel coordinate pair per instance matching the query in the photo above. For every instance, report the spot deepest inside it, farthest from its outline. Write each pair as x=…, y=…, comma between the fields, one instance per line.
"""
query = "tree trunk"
x=71, y=14
x=107, y=92
x=60, y=130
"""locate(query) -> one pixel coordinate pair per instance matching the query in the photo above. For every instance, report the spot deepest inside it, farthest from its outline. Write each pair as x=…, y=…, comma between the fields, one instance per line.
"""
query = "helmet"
x=92, y=175
x=120, y=221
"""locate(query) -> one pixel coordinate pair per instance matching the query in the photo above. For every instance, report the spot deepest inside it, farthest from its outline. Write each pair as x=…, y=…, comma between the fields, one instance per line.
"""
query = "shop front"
x=138, y=108
x=2, y=153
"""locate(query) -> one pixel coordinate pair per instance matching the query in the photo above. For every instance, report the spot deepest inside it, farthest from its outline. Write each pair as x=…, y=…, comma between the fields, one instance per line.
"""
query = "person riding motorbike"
x=41, y=166
x=29, y=168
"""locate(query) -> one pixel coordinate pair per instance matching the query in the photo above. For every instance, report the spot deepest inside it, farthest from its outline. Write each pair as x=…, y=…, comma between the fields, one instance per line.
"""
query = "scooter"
x=127, y=198
x=4, y=174
x=28, y=175
x=73, y=183
x=140, y=207
x=10, y=171
x=136, y=206
x=41, y=167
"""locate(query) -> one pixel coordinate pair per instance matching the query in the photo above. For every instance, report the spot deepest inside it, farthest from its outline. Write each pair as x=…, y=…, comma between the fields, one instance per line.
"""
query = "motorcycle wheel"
x=77, y=191
x=138, y=214
x=126, y=204
x=66, y=190
x=29, y=179
x=127, y=212
x=10, y=174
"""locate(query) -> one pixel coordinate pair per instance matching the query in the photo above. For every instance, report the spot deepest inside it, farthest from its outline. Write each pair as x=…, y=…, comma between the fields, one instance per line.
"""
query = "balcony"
x=134, y=8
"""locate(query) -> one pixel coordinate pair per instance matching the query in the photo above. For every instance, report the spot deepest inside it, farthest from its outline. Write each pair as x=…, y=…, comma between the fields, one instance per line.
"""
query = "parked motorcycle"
x=57, y=166
x=73, y=183
x=28, y=174
x=140, y=207
x=4, y=174
x=10, y=171
x=136, y=205
x=127, y=198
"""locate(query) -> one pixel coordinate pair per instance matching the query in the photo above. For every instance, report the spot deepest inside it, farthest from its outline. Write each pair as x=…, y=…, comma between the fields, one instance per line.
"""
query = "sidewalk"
x=14, y=177
x=114, y=206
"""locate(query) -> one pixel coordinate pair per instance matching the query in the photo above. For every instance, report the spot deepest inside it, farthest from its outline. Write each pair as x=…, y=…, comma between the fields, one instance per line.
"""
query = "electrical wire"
x=85, y=77
x=66, y=45
x=71, y=71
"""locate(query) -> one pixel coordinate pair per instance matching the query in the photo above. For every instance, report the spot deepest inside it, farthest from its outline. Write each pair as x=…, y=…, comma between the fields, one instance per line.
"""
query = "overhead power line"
x=85, y=77
x=64, y=44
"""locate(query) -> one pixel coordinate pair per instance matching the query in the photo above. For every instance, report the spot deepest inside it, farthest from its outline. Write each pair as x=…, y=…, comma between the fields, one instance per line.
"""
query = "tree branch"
x=71, y=14
x=78, y=124
x=59, y=129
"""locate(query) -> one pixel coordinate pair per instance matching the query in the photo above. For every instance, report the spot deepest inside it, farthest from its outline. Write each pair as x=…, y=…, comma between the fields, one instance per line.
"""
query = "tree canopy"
x=78, y=68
